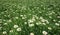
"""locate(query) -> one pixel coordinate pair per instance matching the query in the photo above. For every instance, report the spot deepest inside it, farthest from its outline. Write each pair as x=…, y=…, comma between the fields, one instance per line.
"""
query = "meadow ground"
x=29, y=17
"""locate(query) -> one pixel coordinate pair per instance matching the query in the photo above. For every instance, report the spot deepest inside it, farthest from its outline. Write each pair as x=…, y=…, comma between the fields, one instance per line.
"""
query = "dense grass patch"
x=29, y=17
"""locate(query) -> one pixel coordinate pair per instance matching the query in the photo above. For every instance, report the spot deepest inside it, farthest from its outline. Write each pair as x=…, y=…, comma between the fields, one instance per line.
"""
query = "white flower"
x=18, y=29
x=42, y=20
x=11, y=31
x=44, y=32
x=31, y=33
x=15, y=26
x=16, y=17
x=33, y=19
x=4, y=32
x=58, y=16
x=5, y=23
x=47, y=21
x=38, y=23
x=5, y=15
x=54, y=20
x=30, y=21
x=50, y=17
x=21, y=15
x=44, y=23
x=59, y=21
x=57, y=24
x=25, y=22
x=41, y=17
x=49, y=28
x=4, y=20
x=30, y=25
x=10, y=20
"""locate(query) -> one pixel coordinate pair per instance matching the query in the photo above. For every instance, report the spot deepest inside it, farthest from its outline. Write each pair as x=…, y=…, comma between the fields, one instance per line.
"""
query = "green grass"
x=32, y=16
